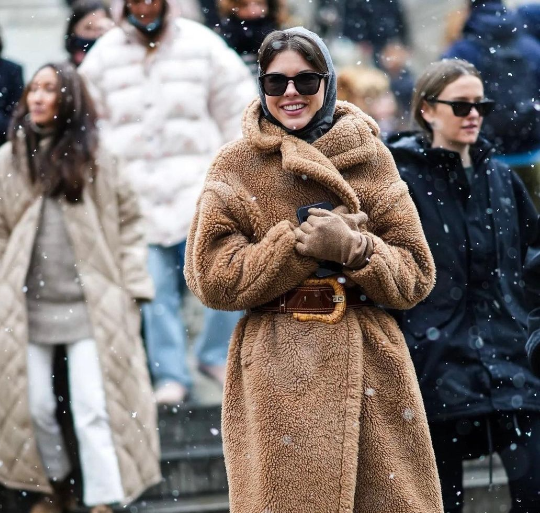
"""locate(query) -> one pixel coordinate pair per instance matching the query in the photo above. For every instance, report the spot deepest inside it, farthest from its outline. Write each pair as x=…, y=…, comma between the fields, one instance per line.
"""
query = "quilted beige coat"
x=317, y=418
x=105, y=231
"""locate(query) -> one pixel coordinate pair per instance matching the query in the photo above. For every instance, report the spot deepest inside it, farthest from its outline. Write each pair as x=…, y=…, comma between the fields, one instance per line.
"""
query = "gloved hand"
x=336, y=236
x=356, y=222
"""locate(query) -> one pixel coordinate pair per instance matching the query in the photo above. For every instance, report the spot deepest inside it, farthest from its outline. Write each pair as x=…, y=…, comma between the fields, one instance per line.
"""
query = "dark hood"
x=492, y=22
x=530, y=15
x=323, y=119
x=415, y=147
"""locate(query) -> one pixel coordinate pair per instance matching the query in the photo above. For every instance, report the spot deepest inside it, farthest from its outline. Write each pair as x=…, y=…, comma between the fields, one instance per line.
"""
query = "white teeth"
x=293, y=107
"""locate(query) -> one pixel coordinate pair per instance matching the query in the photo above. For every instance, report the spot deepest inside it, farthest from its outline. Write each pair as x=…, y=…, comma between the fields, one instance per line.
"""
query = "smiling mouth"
x=293, y=107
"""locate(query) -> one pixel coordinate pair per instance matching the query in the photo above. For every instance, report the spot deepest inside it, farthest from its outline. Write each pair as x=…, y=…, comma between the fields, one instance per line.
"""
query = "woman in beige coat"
x=72, y=271
x=322, y=411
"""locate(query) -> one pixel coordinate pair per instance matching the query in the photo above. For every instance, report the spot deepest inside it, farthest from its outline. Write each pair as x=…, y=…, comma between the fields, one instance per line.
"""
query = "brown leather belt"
x=317, y=299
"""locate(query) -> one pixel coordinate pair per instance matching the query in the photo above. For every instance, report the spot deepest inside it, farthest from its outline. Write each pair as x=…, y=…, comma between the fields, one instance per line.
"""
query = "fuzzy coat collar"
x=348, y=143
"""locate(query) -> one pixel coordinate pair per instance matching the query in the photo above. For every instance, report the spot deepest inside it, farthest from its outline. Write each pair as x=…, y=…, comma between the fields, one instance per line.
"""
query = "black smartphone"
x=325, y=268
x=303, y=212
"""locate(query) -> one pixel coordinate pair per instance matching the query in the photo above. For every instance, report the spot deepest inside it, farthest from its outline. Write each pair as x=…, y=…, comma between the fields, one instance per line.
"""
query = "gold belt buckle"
x=339, y=299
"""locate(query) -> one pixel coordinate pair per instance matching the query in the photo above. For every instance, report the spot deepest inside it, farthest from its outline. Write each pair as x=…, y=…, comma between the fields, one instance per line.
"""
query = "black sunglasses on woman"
x=306, y=83
x=462, y=109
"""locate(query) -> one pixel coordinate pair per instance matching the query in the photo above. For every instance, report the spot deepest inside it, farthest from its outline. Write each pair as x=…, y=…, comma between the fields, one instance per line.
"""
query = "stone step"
x=479, y=496
x=188, y=426
x=196, y=504
x=191, y=452
x=202, y=504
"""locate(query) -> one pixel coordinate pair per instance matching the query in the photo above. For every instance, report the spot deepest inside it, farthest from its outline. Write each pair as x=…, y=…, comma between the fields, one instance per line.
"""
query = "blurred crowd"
x=166, y=92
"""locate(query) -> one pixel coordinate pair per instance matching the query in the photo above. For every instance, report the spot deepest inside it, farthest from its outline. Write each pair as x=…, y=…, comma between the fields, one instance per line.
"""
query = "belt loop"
x=283, y=303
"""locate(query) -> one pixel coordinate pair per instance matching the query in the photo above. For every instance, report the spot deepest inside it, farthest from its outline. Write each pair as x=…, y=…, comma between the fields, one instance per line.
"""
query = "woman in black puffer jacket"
x=467, y=339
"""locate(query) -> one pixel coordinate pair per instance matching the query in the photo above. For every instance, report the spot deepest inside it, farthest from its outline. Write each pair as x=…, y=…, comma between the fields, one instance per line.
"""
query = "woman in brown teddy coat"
x=322, y=411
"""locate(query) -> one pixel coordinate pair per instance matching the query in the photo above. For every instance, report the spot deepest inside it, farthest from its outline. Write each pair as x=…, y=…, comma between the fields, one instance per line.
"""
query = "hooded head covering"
x=322, y=121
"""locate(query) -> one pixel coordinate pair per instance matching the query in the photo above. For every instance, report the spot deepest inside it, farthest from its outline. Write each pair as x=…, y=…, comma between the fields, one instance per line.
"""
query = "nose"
x=291, y=90
x=474, y=113
x=38, y=95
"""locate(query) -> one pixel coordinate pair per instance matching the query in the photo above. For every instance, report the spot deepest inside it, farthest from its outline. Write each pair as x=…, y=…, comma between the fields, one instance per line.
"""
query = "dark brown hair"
x=70, y=159
x=79, y=10
x=433, y=81
x=279, y=41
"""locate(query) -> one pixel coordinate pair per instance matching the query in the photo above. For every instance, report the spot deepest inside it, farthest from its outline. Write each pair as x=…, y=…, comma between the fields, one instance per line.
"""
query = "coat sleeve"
x=531, y=277
x=401, y=271
x=232, y=89
x=5, y=167
x=133, y=247
x=231, y=267
x=530, y=237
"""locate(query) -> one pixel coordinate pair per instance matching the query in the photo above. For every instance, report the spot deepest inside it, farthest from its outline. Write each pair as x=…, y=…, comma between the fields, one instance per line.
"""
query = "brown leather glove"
x=335, y=236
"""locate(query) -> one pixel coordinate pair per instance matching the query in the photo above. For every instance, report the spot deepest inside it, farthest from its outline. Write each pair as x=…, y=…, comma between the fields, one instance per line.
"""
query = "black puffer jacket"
x=467, y=339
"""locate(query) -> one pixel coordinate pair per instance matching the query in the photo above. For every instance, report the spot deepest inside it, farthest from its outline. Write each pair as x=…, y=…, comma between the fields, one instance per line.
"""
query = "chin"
x=294, y=125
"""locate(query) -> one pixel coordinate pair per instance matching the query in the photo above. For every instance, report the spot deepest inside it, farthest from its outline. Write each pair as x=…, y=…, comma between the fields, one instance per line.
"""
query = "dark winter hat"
x=323, y=119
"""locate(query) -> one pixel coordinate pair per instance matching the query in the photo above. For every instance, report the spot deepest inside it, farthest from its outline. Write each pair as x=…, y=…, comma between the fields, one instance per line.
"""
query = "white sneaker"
x=171, y=393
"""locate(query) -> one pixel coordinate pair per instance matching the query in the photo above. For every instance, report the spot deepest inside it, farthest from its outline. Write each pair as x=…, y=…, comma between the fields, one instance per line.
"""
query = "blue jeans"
x=164, y=330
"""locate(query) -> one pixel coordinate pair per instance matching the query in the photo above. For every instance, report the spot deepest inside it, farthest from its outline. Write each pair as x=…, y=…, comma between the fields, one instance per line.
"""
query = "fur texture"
x=317, y=417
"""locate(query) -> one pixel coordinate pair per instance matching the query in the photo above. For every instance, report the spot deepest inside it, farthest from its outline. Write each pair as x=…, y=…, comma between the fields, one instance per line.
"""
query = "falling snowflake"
x=408, y=414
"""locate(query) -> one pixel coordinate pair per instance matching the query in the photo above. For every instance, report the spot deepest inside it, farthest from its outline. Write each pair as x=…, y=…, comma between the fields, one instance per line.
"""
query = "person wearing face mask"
x=245, y=23
x=72, y=275
x=306, y=223
x=467, y=340
x=88, y=21
x=169, y=93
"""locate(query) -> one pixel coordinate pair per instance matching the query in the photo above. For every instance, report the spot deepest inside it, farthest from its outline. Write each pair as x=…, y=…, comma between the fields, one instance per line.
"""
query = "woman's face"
x=293, y=110
x=450, y=131
x=42, y=98
x=146, y=11
x=93, y=25
x=251, y=9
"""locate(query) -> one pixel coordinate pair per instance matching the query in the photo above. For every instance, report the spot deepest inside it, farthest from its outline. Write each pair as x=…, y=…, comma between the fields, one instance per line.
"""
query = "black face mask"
x=77, y=43
x=150, y=30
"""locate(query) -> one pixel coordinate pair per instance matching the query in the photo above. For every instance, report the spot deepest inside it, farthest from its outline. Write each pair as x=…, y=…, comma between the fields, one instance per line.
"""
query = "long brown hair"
x=69, y=161
x=432, y=83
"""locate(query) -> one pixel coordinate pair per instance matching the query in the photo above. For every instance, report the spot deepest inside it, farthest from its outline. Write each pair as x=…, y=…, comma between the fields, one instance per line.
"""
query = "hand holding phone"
x=303, y=212
x=326, y=268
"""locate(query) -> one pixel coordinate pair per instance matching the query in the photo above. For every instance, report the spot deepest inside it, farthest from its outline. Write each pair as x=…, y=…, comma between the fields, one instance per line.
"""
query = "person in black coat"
x=496, y=40
x=467, y=339
x=11, y=88
x=245, y=23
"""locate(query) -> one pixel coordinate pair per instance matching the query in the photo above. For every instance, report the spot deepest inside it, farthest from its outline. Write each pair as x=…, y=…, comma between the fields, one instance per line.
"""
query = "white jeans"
x=101, y=475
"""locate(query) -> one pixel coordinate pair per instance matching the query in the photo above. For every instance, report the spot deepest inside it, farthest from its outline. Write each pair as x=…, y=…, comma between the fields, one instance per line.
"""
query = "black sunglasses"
x=462, y=109
x=306, y=83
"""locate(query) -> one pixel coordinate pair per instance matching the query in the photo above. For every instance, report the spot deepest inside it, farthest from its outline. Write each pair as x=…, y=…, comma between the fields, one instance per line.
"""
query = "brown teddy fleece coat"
x=106, y=232
x=316, y=418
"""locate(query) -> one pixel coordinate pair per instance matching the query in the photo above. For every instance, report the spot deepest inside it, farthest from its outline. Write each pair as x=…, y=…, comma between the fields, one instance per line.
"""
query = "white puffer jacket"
x=165, y=112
